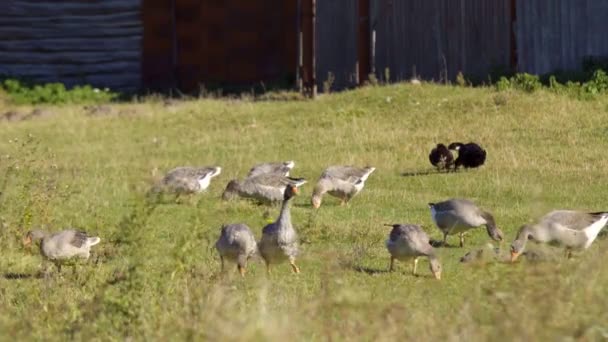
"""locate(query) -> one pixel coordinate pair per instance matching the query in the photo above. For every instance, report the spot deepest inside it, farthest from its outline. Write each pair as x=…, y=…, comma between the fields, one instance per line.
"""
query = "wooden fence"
x=559, y=34
x=74, y=42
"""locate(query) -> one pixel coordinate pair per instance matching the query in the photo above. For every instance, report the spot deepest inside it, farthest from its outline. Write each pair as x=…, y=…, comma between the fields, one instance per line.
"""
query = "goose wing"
x=571, y=219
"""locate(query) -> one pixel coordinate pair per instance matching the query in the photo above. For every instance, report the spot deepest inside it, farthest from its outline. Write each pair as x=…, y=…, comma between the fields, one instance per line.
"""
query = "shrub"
x=54, y=93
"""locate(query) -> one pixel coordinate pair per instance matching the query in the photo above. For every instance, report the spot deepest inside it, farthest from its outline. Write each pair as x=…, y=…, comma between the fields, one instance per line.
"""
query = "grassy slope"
x=157, y=276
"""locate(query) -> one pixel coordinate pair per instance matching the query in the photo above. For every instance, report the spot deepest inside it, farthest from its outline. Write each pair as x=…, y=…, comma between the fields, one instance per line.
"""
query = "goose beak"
x=514, y=256
x=437, y=275
x=27, y=241
x=295, y=190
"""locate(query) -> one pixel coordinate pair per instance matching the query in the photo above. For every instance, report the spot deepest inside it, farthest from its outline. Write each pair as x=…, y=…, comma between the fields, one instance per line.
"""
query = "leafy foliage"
x=54, y=93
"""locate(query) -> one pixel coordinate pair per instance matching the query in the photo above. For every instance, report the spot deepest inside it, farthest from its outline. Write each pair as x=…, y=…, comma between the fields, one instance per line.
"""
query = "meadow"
x=156, y=276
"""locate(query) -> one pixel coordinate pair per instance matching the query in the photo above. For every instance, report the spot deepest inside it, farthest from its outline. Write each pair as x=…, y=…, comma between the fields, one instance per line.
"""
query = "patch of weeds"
x=20, y=92
x=329, y=82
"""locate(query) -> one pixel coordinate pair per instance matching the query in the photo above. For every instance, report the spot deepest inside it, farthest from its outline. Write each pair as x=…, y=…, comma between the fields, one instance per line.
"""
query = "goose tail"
x=93, y=240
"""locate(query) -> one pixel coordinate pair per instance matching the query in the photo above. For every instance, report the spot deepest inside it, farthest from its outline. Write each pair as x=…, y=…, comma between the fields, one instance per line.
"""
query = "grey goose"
x=281, y=169
x=457, y=216
x=410, y=242
x=279, y=241
x=236, y=244
x=188, y=179
x=63, y=245
x=266, y=188
x=343, y=182
x=569, y=228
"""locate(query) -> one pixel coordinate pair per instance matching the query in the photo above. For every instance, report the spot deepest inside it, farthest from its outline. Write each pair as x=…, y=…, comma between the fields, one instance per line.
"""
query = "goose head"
x=33, y=236
x=435, y=266
x=231, y=190
x=519, y=244
x=290, y=192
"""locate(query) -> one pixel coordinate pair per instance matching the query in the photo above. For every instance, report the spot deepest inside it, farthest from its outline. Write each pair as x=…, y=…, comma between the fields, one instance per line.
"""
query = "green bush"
x=54, y=93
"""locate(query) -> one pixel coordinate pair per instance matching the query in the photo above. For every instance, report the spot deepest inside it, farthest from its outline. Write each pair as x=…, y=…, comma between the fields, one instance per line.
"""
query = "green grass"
x=156, y=276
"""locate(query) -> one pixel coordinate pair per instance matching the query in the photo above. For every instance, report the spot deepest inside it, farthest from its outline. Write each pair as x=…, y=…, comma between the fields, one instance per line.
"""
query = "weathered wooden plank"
x=69, y=69
x=59, y=44
x=51, y=9
x=75, y=21
x=18, y=33
x=67, y=57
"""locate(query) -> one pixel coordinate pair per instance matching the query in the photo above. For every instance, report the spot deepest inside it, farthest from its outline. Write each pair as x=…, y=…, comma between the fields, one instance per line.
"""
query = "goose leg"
x=461, y=239
x=568, y=253
x=294, y=267
x=390, y=267
x=445, y=239
x=222, y=262
x=267, y=267
x=415, y=265
x=241, y=270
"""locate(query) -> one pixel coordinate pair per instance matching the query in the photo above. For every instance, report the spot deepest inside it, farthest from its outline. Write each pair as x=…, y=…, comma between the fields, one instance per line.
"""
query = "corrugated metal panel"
x=73, y=42
x=554, y=35
x=336, y=42
x=436, y=39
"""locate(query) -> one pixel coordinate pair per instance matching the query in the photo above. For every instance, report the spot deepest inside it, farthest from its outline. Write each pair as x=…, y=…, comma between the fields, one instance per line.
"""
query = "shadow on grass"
x=428, y=173
x=368, y=270
x=441, y=244
x=18, y=276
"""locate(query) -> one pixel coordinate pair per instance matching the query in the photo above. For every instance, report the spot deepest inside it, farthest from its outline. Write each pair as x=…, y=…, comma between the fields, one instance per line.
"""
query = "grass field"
x=155, y=275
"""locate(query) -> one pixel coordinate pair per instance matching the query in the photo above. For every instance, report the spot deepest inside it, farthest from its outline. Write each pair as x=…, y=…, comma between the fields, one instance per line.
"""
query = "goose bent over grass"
x=569, y=228
x=409, y=241
x=279, y=239
x=63, y=245
x=281, y=169
x=237, y=244
x=266, y=188
x=470, y=155
x=343, y=182
x=457, y=216
x=188, y=179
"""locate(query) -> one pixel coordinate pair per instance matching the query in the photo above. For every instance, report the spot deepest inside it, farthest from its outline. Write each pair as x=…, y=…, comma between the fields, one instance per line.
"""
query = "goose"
x=470, y=155
x=409, y=241
x=236, y=243
x=63, y=245
x=266, y=188
x=279, y=239
x=188, y=179
x=441, y=157
x=281, y=169
x=457, y=216
x=343, y=182
x=569, y=228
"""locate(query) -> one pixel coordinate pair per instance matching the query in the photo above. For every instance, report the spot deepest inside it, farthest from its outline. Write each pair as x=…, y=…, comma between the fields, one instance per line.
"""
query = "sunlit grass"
x=157, y=276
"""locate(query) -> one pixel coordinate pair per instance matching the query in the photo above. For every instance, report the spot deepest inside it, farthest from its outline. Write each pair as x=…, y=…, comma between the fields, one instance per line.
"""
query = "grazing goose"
x=281, y=169
x=279, y=239
x=409, y=241
x=457, y=216
x=343, y=182
x=236, y=243
x=569, y=228
x=441, y=157
x=267, y=188
x=62, y=246
x=470, y=155
x=187, y=179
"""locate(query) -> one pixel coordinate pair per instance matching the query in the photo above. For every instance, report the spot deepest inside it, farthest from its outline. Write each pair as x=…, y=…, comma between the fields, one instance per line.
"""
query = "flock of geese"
x=271, y=183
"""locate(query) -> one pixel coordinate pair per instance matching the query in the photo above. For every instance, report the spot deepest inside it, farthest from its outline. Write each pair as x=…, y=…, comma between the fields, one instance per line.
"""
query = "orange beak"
x=27, y=241
x=514, y=256
x=437, y=275
x=295, y=190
